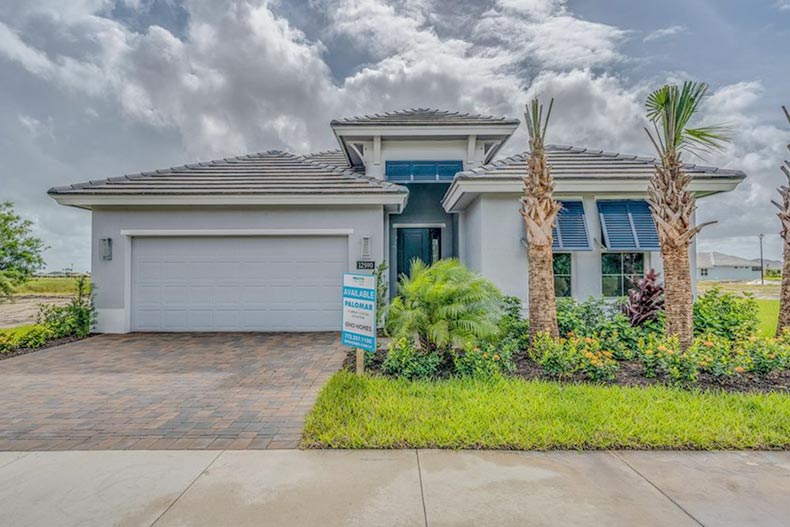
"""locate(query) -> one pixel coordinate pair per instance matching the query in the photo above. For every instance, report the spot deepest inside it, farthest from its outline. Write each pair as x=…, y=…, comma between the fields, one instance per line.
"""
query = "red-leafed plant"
x=645, y=300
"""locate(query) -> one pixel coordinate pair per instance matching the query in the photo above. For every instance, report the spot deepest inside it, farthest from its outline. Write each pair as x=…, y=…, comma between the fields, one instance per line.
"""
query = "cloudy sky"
x=98, y=88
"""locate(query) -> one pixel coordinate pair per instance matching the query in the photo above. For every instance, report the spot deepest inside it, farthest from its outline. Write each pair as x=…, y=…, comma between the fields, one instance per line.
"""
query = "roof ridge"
x=423, y=110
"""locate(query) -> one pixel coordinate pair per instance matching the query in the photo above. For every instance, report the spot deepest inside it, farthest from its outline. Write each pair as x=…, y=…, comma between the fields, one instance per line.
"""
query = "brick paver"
x=165, y=391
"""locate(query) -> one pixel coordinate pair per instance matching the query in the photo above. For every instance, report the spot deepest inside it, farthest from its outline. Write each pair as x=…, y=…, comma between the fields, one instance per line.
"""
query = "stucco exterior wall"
x=111, y=278
x=419, y=150
x=470, y=228
x=492, y=230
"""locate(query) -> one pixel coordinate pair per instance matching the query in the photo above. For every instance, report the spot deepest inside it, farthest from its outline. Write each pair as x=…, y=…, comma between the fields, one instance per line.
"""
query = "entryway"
x=422, y=243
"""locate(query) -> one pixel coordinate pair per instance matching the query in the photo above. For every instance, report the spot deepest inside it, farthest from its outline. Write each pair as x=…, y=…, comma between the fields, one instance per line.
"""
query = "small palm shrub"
x=725, y=315
x=445, y=306
x=406, y=361
x=645, y=301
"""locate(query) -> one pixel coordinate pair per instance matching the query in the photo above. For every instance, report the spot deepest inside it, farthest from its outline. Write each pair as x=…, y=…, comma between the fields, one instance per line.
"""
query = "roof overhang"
x=393, y=201
x=497, y=133
x=464, y=190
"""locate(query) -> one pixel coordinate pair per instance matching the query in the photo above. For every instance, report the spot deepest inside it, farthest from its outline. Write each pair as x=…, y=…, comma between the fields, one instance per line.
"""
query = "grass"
x=47, y=285
x=768, y=315
x=510, y=413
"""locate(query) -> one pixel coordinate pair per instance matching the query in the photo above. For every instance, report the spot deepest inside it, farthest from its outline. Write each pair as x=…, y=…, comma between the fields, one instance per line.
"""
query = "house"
x=713, y=266
x=769, y=265
x=259, y=242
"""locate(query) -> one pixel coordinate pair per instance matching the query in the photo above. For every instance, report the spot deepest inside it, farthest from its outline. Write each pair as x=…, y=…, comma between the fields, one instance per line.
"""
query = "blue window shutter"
x=422, y=171
x=570, y=229
x=628, y=225
x=644, y=225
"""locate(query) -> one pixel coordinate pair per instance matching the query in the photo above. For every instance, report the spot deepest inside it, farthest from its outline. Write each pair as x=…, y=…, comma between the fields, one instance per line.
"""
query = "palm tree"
x=671, y=109
x=784, y=217
x=539, y=209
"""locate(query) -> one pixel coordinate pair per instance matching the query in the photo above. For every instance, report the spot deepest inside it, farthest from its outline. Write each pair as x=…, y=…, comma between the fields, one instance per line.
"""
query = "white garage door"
x=266, y=283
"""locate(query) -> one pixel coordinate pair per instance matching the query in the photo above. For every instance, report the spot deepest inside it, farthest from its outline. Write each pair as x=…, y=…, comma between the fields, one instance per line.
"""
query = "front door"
x=421, y=243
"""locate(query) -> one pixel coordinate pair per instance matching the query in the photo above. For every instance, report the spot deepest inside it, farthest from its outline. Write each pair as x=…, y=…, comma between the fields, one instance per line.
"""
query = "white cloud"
x=245, y=79
x=783, y=5
x=665, y=32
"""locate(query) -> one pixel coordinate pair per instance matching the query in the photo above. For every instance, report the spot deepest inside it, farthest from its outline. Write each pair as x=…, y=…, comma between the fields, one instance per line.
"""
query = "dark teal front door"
x=420, y=243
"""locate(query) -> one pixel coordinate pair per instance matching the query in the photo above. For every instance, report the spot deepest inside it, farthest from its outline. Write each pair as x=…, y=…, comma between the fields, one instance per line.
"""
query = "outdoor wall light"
x=106, y=248
x=366, y=247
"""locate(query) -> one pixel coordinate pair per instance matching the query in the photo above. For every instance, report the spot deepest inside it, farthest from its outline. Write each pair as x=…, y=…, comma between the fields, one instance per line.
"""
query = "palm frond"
x=671, y=110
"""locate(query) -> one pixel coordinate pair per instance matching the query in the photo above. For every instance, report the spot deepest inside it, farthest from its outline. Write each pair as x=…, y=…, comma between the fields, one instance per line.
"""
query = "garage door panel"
x=237, y=284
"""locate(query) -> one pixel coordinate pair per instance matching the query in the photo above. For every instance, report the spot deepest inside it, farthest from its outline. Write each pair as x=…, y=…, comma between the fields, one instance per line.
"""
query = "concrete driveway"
x=389, y=488
x=166, y=391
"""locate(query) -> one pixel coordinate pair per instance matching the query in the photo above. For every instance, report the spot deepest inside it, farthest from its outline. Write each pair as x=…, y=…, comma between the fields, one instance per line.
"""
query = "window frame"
x=622, y=275
x=569, y=275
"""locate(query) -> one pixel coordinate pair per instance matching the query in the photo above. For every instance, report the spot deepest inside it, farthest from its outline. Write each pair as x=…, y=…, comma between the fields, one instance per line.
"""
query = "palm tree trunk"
x=678, y=294
x=542, y=302
x=784, y=300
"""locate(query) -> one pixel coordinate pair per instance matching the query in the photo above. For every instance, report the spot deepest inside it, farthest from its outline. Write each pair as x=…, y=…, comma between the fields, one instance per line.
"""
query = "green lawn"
x=377, y=412
x=768, y=316
x=48, y=286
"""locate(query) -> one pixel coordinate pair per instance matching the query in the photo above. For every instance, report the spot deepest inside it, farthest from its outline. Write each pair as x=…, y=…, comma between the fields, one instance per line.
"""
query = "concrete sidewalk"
x=406, y=487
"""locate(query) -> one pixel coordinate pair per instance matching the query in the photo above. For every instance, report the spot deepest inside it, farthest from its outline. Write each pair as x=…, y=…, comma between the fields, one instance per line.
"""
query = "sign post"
x=359, y=315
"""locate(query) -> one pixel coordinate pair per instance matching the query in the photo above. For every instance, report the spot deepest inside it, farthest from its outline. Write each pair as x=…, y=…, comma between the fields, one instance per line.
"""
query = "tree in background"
x=671, y=109
x=539, y=209
x=784, y=217
x=20, y=251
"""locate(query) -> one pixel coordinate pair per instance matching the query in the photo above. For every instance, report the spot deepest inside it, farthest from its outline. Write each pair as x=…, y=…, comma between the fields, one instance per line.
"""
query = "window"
x=619, y=270
x=422, y=171
x=562, y=274
x=703, y=272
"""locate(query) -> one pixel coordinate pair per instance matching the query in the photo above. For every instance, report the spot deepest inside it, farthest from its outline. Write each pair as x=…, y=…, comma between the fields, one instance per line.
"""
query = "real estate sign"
x=359, y=311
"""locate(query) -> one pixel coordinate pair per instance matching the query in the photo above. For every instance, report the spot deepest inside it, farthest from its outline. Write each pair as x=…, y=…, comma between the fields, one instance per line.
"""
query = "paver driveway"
x=165, y=391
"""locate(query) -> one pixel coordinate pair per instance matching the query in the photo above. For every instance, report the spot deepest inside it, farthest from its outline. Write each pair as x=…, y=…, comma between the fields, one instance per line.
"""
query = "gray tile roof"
x=335, y=158
x=272, y=172
x=424, y=116
x=713, y=259
x=572, y=162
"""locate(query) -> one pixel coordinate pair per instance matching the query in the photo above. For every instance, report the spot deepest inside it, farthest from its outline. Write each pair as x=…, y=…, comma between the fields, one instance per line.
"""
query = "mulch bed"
x=630, y=373
x=50, y=344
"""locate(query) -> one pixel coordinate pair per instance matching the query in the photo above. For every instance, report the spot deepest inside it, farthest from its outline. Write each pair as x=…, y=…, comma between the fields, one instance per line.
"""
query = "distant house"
x=715, y=266
x=770, y=265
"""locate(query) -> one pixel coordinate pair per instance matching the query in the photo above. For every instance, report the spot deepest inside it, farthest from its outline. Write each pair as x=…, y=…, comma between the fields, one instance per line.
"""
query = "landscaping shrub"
x=405, y=360
x=563, y=357
x=645, y=301
x=661, y=357
x=484, y=362
x=725, y=315
x=717, y=356
x=766, y=355
x=513, y=327
x=445, y=305
x=604, y=321
x=74, y=319
x=32, y=337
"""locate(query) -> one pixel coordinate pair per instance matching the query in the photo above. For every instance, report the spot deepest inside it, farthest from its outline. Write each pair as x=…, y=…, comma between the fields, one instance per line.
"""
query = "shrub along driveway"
x=166, y=391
